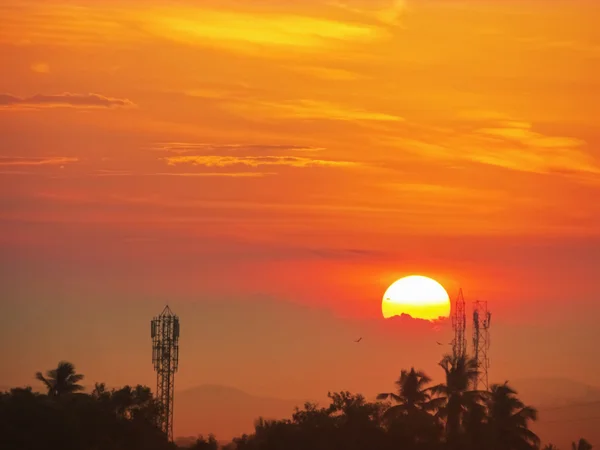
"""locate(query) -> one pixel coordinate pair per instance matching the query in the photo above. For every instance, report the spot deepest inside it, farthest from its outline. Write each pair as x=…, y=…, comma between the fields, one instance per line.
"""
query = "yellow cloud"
x=521, y=148
x=202, y=25
x=36, y=161
x=199, y=25
x=195, y=147
x=495, y=139
x=311, y=109
x=255, y=161
x=127, y=173
x=215, y=174
x=522, y=133
x=390, y=13
x=62, y=24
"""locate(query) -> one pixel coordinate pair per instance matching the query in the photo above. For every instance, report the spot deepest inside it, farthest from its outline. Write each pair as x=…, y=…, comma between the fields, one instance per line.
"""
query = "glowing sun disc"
x=418, y=296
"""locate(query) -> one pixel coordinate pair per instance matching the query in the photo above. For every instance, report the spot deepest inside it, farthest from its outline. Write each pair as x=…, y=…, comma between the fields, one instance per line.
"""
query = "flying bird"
x=358, y=340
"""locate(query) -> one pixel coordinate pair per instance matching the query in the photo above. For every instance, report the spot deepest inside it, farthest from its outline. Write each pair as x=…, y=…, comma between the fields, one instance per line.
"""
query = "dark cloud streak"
x=65, y=99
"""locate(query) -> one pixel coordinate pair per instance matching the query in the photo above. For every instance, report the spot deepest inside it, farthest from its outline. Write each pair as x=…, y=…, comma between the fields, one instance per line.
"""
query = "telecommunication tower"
x=481, y=342
x=164, y=330
x=459, y=324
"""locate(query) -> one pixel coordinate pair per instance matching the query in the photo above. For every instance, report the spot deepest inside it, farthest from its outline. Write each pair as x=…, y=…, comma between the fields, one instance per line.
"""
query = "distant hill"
x=225, y=411
x=568, y=410
x=542, y=392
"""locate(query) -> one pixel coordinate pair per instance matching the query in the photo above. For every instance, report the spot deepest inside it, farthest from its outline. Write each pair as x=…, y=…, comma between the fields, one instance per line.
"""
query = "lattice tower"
x=165, y=357
x=481, y=342
x=459, y=325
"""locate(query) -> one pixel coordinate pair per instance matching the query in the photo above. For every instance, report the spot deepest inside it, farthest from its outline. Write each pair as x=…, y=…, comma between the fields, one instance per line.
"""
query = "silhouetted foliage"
x=68, y=420
x=62, y=380
x=448, y=416
x=581, y=445
x=205, y=444
x=455, y=399
x=508, y=420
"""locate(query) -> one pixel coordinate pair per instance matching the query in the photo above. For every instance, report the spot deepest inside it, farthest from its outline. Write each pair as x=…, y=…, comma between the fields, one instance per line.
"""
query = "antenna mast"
x=164, y=330
x=481, y=342
x=459, y=324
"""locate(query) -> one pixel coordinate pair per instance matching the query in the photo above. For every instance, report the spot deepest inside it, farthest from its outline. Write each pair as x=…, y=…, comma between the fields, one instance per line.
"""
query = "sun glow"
x=418, y=296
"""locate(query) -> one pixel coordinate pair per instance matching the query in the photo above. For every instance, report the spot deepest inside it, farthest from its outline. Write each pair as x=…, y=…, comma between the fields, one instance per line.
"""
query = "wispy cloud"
x=215, y=174
x=127, y=173
x=36, y=161
x=447, y=195
x=345, y=253
x=515, y=145
x=311, y=109
x=255, y=103
x=194, y=25
x=389, y=12
x=65, y=99
x=495, y=139
x=521, y=133
x=254, y=161
x=195, y=147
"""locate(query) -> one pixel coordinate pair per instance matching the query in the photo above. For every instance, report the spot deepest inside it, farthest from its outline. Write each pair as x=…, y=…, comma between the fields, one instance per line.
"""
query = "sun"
x=418, y=296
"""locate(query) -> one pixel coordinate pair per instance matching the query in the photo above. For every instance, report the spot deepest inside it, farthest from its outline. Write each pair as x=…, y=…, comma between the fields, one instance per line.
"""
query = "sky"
x=269, y=168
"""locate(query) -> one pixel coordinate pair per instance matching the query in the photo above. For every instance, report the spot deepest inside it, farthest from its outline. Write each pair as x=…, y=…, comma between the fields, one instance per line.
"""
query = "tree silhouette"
x=411, y=393
x=205, y=444
x=475, y=421
x=454, y=397
x=447, y=416
x=62, y=380
x=409, y=421
x=581, y=445
x=509, y=420
x=103, y=420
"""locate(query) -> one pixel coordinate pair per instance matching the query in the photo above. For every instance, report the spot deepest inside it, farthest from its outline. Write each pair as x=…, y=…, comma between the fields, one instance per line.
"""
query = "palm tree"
x=410, y=421
x=508, y=420
x=62, y=380
x=454, y=398
x=581, y=445
x=411, y=393
x=474, y=422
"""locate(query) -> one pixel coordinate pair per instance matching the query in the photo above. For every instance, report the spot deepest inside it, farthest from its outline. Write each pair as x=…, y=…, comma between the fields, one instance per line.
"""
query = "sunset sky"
x=268, y=168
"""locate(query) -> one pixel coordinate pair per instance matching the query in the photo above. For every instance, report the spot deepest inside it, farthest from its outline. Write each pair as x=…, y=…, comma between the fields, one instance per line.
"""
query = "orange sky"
x=269, y=168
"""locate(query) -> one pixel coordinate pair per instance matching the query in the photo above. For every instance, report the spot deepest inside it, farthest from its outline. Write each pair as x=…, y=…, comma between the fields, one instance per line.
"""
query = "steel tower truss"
x=459, y=324
x=481, y=342
x=165, y=357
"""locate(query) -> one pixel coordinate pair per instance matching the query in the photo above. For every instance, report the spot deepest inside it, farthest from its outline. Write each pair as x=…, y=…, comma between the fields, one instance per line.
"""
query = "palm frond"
x=48, y=383
x=384, y=396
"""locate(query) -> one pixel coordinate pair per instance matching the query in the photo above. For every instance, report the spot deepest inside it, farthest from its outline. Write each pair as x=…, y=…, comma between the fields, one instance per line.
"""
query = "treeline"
x=66, y=419
x=416, y=416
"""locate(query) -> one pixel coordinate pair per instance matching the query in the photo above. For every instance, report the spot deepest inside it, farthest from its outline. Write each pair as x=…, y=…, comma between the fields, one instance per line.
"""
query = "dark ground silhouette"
x=415, y=416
